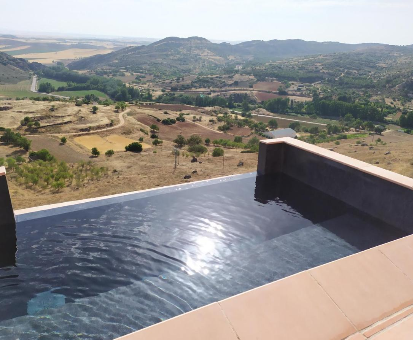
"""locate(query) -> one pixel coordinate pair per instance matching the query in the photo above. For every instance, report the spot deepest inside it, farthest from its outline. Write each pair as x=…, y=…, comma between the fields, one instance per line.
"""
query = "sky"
x=348, y=21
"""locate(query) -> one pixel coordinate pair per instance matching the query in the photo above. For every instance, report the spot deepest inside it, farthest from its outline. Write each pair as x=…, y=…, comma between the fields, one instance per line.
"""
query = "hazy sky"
x=351, y=21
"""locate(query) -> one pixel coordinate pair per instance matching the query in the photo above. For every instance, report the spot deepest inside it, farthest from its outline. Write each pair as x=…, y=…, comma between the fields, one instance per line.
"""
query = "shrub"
x=180, y=141
x=154, y=135
x=273, y=124
x=198, y=149
x=95, y=109
x=157, y=142
x=95, y=152
x=143, y=131
x=141, y=139
x=154, y=127
x=109, y=153
x=15, y=139
x=42, y=154
x=134, y=147
x=168, y=121
x=207, y=141
x=58, y=185
x=63, y=140
x=20, y=159
x=337, y=142
x=218, y=152
x=296, y=126
x=194, y=140
x=238, y=139
x=314, y=130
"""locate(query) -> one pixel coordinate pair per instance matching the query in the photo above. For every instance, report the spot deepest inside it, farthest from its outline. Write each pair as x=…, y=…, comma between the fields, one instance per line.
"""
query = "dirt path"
x=293, y=120
x=34, y=83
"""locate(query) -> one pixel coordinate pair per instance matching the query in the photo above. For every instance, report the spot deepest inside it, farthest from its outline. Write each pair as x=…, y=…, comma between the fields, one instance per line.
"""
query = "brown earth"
x=263, y=96
x=267, y=86
x=69, y=154
x=186, y=129
x=174, y=107
x=130, y=172
x=400, y=145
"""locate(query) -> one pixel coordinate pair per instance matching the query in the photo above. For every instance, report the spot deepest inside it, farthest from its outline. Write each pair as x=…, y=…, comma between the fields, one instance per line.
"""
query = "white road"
x=293, y=120
x=34, y=86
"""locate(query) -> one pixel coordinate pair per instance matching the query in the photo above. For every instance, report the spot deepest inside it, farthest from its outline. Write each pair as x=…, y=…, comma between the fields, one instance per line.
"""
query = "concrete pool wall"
x=378, y=192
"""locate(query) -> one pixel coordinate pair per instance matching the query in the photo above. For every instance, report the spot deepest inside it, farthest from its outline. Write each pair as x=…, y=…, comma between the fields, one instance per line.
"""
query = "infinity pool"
x=130, y=262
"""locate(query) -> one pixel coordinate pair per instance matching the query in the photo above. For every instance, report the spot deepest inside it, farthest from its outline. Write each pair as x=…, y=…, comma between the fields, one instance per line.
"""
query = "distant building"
x=280, y=133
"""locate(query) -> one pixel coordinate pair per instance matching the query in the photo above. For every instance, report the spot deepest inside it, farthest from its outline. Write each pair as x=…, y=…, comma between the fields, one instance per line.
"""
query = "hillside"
x=181, y=55
x=13, y=70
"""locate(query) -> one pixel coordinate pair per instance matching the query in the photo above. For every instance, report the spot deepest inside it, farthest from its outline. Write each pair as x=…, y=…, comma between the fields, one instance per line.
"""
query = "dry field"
x=175, y=107
x=153, y=167
x=169, y=132
x=400, y=145
x=131, y=172
x=267, y=86
x=263, y=96
x=69, y=153
x=63, y=56
x=103, y=144
x=68, y=117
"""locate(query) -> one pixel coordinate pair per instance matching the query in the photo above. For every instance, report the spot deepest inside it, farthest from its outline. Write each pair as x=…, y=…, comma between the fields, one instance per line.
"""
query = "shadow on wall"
x=8, y=246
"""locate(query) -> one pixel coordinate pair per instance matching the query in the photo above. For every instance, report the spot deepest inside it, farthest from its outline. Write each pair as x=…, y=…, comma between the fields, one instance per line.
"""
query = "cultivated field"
x=103, y=144
x=21, y=89
x=153, y=167
x=49, y=58
x=267, y=86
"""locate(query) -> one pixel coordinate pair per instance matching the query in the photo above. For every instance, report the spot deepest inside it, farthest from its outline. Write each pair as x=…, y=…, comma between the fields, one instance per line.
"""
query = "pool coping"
x=48, y=210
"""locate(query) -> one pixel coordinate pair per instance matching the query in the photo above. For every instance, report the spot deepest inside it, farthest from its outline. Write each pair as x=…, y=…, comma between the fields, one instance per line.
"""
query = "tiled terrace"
x=367, y=295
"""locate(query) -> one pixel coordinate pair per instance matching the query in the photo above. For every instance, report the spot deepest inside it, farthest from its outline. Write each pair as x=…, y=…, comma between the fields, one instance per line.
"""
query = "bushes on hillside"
x=134, y=147
x=16, y=139
x=42, y=154
x=198, y=149
x=46, y=87
x=168, y=121
x=217, y=152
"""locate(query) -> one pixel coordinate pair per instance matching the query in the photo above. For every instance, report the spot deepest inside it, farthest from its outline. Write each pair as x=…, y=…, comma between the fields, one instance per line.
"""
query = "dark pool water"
x=102, y=272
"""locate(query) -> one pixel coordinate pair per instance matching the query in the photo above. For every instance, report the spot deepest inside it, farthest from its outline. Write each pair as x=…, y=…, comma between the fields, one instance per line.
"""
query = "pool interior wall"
x=99, y=271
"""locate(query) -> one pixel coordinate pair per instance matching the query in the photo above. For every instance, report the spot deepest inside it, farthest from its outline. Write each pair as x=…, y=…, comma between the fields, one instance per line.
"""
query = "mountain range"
x=195, y=53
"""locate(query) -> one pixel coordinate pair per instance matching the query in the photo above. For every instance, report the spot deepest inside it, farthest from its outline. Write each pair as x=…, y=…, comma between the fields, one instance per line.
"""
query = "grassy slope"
x=81, y=93
x=21, y=89
x=55, y=83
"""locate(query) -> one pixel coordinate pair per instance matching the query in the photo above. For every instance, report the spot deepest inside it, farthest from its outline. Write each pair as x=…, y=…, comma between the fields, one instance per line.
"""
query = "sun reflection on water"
x=206, y=247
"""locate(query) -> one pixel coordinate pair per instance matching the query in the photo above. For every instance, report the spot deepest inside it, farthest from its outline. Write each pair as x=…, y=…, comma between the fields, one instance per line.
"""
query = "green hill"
x=14, y=70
